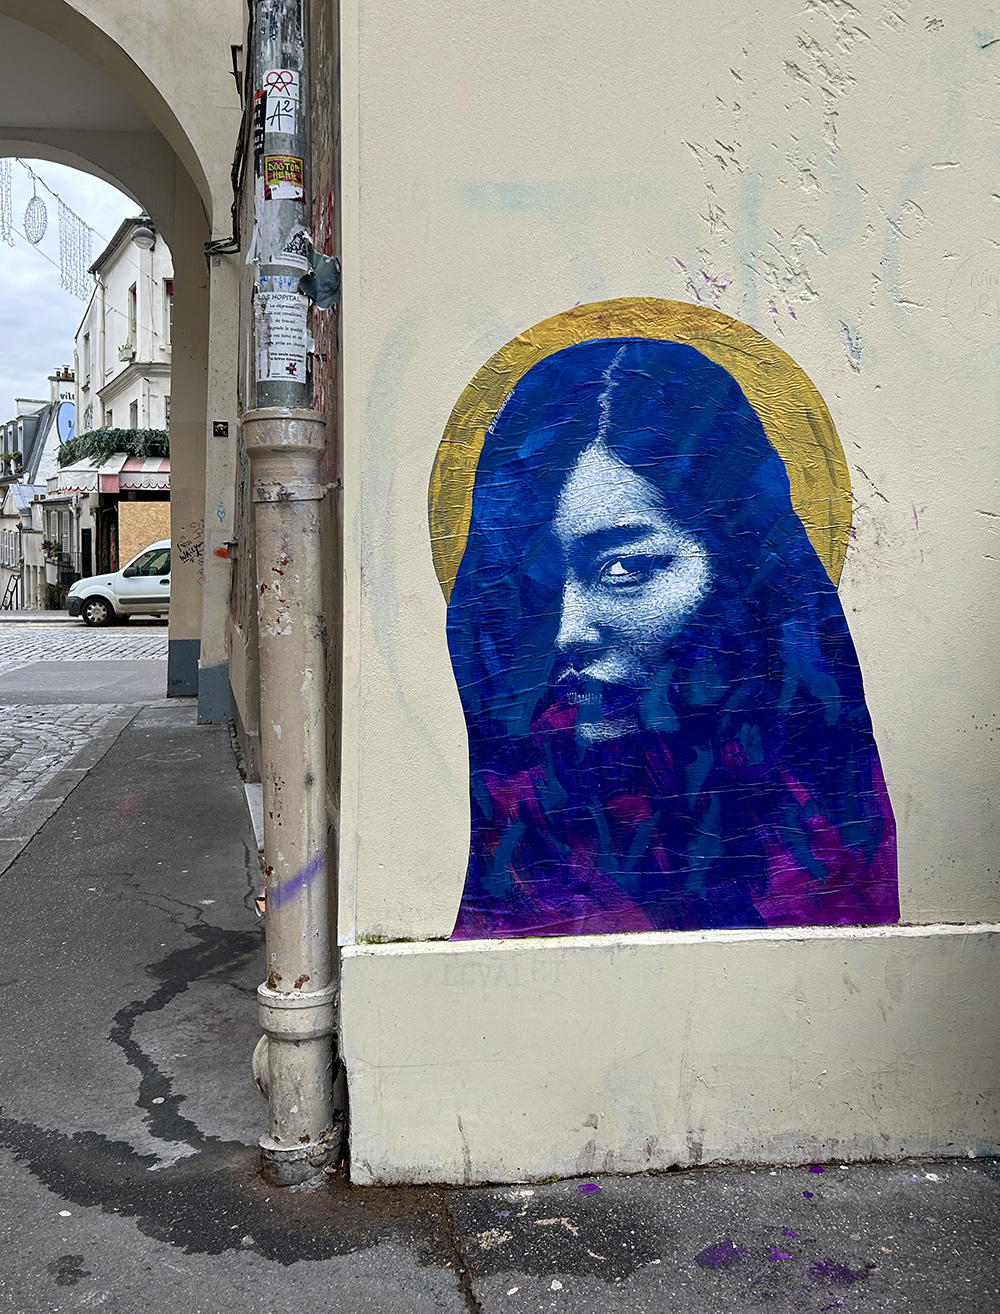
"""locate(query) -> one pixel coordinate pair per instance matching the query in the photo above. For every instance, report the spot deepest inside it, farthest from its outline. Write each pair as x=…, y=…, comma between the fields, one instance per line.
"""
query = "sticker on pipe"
x=281, y=114
x=283, y=82
x=295, y=253
x=259, y=128
x=281, y=335
x=283, y=178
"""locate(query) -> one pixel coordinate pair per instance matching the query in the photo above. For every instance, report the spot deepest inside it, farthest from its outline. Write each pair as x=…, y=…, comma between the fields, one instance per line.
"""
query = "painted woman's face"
x=633, y=578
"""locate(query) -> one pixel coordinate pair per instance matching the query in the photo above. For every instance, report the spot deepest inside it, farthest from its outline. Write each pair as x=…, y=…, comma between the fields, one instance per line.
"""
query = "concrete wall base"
x=517, y=1060
x=182, y=668
x=249, y=746
x=215, y=697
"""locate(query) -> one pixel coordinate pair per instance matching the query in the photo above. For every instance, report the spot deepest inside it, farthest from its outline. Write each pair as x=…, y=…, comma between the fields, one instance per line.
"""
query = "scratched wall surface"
x=822, y=172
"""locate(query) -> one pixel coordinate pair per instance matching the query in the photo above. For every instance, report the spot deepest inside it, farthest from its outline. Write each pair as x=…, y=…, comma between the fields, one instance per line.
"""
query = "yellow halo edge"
x=793, y=414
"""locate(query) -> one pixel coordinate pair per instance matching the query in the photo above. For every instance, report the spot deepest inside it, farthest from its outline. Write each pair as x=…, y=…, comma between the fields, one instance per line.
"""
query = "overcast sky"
x=37, y=317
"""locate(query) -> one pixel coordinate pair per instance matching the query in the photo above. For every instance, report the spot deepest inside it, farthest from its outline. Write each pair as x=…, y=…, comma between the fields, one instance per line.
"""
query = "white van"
x=142, y=588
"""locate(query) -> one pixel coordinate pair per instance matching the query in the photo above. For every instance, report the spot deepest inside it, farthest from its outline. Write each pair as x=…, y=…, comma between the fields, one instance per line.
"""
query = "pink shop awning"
x=134, y=474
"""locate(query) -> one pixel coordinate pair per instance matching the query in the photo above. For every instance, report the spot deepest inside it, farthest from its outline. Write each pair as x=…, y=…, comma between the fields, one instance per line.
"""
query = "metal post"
x=281, y=200
x=284, y=443
x=297, y=1001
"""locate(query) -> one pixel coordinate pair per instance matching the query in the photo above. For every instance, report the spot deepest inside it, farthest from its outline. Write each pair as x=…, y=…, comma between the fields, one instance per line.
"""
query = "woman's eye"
x=626, y=570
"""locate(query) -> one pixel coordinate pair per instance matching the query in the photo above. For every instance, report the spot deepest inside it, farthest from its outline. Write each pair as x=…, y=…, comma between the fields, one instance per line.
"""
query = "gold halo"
x=794, y=415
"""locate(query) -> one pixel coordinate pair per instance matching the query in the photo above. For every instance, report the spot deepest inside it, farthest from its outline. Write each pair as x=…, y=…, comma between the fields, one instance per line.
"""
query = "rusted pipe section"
x=297, y=1002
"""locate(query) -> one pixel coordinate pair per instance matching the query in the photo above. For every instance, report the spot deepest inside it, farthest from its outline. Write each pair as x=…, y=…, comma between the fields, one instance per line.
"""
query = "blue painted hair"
x=764, y=672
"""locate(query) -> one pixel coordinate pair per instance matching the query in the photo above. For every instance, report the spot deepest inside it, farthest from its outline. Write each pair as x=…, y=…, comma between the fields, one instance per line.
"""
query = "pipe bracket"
x=294, y=490
x=285, y=1165
x=296, y=1015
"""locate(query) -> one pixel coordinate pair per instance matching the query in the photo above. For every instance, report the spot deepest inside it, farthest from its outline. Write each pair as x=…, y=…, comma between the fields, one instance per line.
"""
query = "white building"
x=123, y=343
x=30, y=440
x=29, y=446
x=21, y=534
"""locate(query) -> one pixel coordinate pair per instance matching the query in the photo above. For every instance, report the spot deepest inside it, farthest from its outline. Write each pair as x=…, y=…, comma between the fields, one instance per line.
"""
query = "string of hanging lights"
x=75, y=235
x=75, y=242
x=36, y=219
x=6, y=203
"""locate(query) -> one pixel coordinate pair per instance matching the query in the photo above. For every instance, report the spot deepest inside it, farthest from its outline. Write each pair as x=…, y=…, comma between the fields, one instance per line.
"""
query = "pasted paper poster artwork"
x=639, y=513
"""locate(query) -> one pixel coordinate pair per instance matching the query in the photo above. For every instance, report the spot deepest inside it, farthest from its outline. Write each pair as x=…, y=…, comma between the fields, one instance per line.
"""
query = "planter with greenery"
x=99, y=445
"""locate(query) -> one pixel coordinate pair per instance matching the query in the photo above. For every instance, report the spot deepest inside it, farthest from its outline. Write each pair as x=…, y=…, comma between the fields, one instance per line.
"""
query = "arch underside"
x=108, y=92
x=142, y=165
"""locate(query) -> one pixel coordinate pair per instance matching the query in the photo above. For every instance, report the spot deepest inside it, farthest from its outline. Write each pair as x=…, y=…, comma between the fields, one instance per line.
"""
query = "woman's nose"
x=577, y=623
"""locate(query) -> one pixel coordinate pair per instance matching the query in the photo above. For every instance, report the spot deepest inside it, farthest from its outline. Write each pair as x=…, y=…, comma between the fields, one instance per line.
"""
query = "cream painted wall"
x=524, y=1059
x=824, y=173
x=221, y=453
x=188, y=401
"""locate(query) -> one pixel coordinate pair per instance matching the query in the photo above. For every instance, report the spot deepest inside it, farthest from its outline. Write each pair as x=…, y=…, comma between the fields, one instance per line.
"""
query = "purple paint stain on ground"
x=788, y=1231
x=816, y=1168
x=720, y=1256
x=777, y=1254
x=830, y=1274
x=587, y=1187
x=808, y=1194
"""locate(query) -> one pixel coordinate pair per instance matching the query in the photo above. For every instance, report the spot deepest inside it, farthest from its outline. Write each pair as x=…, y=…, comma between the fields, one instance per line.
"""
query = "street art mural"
x=639, y=513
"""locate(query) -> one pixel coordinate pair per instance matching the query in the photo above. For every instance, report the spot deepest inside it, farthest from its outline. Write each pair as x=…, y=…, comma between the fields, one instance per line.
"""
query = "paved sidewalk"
x=37, y=618
x=64, y=697
x=62, y=618
x=128, y=1121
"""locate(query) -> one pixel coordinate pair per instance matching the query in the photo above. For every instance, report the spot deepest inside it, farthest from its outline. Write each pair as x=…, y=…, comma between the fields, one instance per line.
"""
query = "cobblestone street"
x=38, y=742
x=20, y=645
x=56, y=719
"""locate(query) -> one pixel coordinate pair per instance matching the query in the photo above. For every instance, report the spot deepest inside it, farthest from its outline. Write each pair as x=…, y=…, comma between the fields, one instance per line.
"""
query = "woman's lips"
x=598, y=700
x=598, y=711
x=589, y=683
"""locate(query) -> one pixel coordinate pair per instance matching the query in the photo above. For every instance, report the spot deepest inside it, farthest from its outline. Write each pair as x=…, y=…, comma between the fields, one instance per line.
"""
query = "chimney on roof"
x=61, y=384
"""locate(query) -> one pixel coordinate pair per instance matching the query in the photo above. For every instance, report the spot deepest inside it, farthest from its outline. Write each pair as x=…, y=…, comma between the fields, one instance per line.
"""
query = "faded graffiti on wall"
x=639, y=513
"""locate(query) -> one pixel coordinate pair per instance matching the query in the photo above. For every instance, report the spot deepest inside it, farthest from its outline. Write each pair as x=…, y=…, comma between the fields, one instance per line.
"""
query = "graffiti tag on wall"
x=190, y=546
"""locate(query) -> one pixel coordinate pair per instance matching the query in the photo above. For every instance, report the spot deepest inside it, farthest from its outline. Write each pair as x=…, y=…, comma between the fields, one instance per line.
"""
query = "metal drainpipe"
x=285, y=440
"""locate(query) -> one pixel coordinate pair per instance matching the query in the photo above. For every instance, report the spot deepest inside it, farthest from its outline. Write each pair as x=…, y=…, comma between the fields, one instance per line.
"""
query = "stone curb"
x=38, y=618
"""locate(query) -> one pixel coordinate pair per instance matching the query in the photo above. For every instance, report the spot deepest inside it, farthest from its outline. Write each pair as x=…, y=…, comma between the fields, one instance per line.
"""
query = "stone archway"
x=144, y=97
x=170, y=64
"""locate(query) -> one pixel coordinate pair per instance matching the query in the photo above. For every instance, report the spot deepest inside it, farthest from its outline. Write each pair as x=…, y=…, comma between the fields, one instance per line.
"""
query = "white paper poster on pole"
x=281, y=333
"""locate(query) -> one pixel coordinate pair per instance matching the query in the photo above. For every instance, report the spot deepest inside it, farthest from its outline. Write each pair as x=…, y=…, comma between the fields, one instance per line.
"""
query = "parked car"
x=142, y=588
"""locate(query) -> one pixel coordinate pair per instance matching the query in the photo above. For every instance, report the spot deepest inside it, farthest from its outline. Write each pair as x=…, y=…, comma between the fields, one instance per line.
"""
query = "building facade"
x=22, y=565
x=657, y=381
x=30, y=443
x=122, y=347
x=585, y=917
